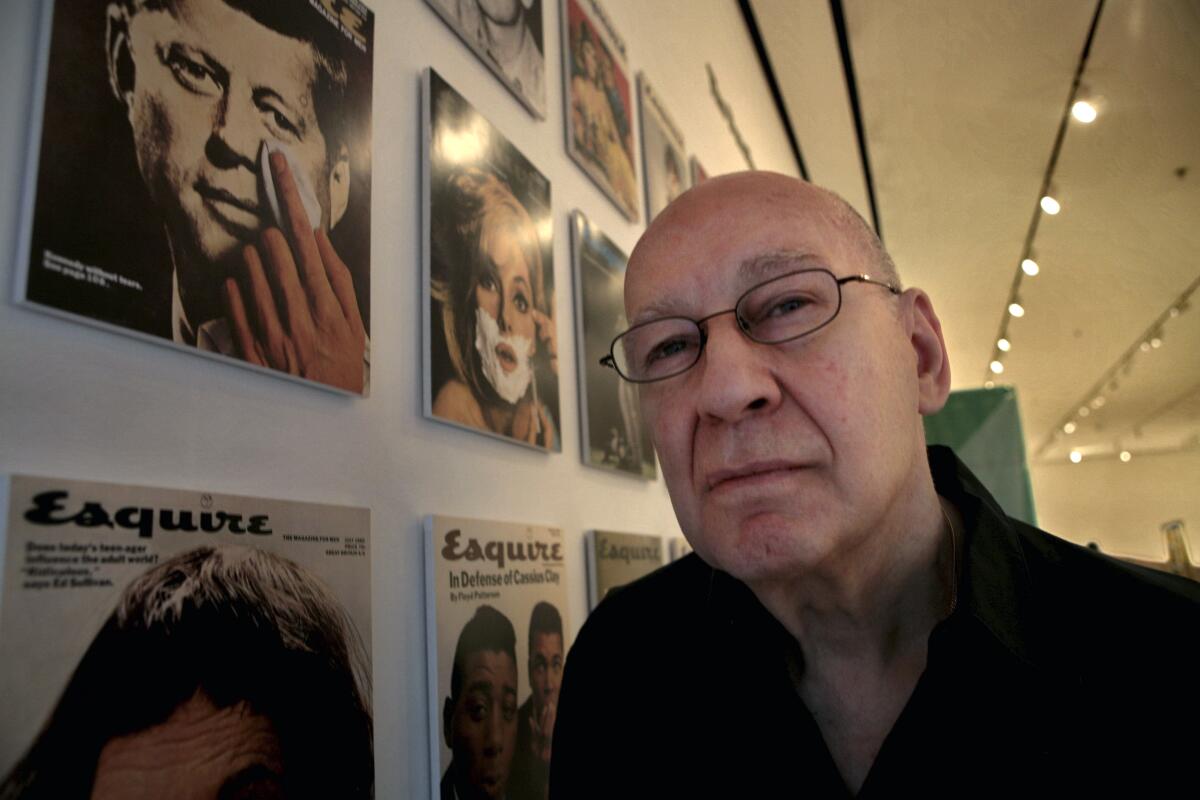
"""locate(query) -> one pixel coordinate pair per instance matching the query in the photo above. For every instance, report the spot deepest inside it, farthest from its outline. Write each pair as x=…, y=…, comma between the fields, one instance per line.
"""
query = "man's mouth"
x=234, y=211
x=754, y=473
x=507, y=356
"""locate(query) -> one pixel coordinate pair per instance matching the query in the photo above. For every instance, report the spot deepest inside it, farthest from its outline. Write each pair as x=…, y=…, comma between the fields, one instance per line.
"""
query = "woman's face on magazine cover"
x=504, y=289
x=204, y=85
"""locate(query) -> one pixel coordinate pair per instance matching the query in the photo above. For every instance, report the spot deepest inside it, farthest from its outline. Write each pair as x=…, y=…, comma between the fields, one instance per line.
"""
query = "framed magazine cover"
x=699, y=173
x=508, y=38
x=598, y=101
x=615, y=559
x=664, y=164
x=496, y=632
x=614, y=435
x=173, y=643
x=167, y=149
x=490, y=350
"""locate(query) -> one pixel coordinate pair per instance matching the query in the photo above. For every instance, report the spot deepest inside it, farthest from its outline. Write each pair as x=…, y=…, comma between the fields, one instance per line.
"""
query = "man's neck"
x=504, y=39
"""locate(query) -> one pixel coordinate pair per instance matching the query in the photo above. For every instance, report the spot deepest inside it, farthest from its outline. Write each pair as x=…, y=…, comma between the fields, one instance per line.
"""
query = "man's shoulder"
x=655, y=605
x=1094, y=603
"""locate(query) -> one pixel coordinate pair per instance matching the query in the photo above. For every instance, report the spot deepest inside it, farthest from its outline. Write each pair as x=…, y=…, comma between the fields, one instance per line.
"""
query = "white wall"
x=1121, y=506
x=80, y=403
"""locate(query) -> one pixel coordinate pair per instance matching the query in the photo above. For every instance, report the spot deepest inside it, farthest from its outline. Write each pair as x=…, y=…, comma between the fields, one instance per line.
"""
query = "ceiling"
x=960, y=104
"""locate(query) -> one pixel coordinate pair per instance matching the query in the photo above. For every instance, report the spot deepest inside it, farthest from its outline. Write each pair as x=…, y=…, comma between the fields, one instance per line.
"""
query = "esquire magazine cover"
x=496, y=625
x=169, y=139
x=615, y=559
x=158, y=642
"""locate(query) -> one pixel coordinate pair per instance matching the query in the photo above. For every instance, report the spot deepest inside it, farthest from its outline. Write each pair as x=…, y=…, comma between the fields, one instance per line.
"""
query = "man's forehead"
x=723, y=238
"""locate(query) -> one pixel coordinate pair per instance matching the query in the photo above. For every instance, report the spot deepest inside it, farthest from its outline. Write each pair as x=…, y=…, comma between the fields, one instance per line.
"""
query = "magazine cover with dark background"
x=496, y=625
x=599, y=103
x=664, y=164
x=614, y=434
x=173, y=643
x=507, y=36
x=175, y=135
x=491, y=339
x=615, y=559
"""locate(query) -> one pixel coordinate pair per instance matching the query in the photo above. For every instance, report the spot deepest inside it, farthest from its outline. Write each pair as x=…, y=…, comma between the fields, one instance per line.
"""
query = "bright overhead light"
x=1050, y=205
x=1069, y=427
x=1145, y=347
x=1174, y=312
x=996, y=367
x=1076, y=456
x=1083, y=111
x=1099, y=402
x=1084, y=411
x=1126, y=455
x=1156, y=342
x=1016, y=309
x=1030, y=267
x=989, y=384
x=1004, y=344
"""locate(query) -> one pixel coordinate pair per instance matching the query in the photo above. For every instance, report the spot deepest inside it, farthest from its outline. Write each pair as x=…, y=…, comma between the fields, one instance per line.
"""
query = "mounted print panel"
x=664, y=164
x=614, y=435
x=599, y=103
x=507, y=36
x=201, y=177
x=491, y=341
x=179, y=643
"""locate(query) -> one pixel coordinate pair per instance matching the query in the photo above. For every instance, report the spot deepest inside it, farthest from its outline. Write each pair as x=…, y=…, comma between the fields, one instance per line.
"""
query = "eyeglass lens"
x=780, y=309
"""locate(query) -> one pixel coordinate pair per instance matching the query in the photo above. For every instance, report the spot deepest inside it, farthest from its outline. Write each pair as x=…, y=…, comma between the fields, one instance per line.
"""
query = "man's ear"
x=933, y=361
x=339, y=186
x=118, y=57
x=447, y=719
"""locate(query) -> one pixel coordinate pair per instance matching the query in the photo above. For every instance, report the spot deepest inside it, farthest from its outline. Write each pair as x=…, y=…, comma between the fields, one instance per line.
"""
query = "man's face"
x=200, y=752
x=208, y=86
x=482, y=724
x=777, y=457
x=545, y=668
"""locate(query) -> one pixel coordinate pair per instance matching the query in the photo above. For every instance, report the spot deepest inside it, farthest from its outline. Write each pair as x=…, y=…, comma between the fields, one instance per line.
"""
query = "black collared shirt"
x=1060, y=671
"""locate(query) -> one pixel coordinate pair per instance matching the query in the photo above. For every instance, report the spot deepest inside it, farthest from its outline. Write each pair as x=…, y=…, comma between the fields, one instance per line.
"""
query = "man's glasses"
x=771, y=312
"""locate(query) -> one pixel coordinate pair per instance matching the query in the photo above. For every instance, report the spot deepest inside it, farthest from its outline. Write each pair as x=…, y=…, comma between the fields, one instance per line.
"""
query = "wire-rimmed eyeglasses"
x=772, y=312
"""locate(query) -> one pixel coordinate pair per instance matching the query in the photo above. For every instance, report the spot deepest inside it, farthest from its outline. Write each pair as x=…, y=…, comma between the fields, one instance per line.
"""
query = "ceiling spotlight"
x=1174, y=312
x=1069, y=427
x=1084, y=411
x=1125, y=456
x=996, y=367
x=1076, y=456
x=1156, y=342
x=1099, y=402
x=1016, y=309
x=1030, y=267
x=1050, y=205
x=1083, y=111
x=1004, y=344
x=1145, y=347
x=989, y=384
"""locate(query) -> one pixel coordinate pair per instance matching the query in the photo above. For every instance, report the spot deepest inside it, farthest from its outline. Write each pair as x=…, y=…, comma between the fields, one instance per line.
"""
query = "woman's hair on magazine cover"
x=475, y=210
x=233, y=625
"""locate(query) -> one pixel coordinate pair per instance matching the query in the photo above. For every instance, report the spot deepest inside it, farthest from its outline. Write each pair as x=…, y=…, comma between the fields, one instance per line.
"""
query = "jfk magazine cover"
x=496, y=624
x=182, y=643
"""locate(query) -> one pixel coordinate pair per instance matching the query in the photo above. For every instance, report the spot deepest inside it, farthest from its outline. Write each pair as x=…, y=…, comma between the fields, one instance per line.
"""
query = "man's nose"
x=238, y=126
x=495, y=732
x=734, y=378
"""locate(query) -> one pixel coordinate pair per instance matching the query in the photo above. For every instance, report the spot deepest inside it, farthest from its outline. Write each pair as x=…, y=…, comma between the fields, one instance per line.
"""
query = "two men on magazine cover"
x=859, y=616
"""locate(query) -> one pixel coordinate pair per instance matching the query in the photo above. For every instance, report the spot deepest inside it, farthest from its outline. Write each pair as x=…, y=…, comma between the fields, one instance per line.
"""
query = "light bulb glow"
x=1050, y=205
x=1156, y=342
x=1016, y=309
x=1069, y=427
x=996, y=367
x=1030, y=267
x=1083, y=111
x=1126, y=455
x=1076, y=456
x=1004, y=344
x=1084, y=411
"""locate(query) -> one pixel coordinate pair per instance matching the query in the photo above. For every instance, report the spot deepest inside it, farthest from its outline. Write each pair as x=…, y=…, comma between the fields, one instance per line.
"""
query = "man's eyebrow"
x=253, y=775
x=767, y=265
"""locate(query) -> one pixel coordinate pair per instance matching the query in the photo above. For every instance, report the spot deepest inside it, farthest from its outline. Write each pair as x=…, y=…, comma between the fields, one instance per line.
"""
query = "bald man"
x=859, y=616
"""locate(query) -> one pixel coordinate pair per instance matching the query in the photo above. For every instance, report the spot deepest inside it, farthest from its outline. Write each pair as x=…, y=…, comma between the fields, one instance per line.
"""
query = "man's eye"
x=191, y=74
x=786, y=306
x=510, y=712
x=671, y=348
x=283, y=122
x=477, y=711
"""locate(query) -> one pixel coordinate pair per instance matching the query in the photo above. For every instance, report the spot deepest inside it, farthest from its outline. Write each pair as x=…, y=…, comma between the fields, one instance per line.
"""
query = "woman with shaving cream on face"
x=495, y=313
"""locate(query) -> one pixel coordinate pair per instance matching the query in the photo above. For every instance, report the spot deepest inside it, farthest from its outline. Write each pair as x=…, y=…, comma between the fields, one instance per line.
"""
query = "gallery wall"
x=82, y=403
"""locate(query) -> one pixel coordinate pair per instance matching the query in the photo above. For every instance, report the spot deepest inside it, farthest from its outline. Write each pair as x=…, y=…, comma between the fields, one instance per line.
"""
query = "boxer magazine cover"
x=126, y=608
x=148, y=172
